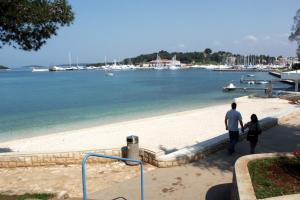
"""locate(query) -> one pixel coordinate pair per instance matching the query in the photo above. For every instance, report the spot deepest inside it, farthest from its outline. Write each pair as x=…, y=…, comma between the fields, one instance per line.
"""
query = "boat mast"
x=247, y=60
x=69, y=59
x=157, y=60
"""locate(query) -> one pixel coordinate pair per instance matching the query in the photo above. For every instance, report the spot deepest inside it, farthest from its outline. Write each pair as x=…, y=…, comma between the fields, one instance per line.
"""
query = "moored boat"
x=39, y=70
x=229, y=87
x=56, y=68
x=109, y=74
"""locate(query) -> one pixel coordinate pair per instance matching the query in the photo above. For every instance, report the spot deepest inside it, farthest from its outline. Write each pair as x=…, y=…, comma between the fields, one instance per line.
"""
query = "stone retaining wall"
x=12, y=159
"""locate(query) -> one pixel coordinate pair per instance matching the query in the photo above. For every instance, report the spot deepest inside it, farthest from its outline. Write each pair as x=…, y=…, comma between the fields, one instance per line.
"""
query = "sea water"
x=47, y=102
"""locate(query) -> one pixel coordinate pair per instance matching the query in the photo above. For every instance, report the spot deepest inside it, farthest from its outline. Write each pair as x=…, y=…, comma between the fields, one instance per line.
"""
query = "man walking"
x=232, y=119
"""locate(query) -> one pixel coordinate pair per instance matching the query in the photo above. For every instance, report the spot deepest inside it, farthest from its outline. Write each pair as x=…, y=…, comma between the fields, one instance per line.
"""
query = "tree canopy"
x=27, y=24
x=295, y=34
x=207, y=51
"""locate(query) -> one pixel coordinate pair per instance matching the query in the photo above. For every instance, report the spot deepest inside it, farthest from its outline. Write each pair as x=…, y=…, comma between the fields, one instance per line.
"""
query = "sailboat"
x=79, y=67
x=107, y=69
x=70, y=63
x=56, y=68
x=174, y=64
x=158, y=65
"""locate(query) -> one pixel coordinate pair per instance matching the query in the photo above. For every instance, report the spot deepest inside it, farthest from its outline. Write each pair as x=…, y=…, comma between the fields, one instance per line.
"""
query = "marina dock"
x=243, y=89
x=254, y=81
x=278, y=75
x=243, y=70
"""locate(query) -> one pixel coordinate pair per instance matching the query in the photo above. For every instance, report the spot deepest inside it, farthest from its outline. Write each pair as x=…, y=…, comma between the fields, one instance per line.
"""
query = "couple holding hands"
x=232, y=119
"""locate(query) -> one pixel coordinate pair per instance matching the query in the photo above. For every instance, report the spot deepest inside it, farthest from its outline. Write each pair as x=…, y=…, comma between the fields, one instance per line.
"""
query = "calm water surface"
x=46, y=102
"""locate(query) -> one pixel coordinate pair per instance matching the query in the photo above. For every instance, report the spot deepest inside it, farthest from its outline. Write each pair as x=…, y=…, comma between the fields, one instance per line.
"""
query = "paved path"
x=208, y=179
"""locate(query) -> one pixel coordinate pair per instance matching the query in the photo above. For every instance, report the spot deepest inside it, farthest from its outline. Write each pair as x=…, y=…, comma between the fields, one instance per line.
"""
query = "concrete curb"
x=242, y=185
x=197, y=151
x=204, y=148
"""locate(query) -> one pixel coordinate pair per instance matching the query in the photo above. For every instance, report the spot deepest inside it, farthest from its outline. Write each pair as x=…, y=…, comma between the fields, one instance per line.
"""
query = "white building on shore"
x=164, y=62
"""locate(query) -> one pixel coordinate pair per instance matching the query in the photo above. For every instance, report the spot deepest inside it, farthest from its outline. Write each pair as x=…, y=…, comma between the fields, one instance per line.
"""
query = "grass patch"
x=271, y=178
x=42, y=196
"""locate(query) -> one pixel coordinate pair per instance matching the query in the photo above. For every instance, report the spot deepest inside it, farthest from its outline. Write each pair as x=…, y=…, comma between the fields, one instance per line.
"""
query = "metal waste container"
x=133, y=149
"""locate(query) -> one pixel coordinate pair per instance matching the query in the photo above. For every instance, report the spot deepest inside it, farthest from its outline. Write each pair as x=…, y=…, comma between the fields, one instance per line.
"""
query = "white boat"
x=159, y=68
x=56, y=68
x=39, y=70
x=109, y=74
x=229, y=87
x=174, y=64
x=158, y=65
x=90, y=68
x=262, y=82
x=174, y=67
x=250, y=75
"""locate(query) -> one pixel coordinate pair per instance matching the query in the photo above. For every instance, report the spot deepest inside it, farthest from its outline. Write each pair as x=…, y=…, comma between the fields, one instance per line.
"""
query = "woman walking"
x=253, y=131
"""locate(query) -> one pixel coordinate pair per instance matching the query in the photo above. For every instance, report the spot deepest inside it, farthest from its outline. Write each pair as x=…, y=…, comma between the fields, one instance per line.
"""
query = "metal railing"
x=109, y=157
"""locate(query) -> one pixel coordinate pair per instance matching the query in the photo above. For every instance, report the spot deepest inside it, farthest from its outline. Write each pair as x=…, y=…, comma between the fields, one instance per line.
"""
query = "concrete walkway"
x=208, y=179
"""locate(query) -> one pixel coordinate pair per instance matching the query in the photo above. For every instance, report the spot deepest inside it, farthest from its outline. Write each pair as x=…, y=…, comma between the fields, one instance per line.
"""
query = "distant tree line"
x=205, y=57
x=3, y=67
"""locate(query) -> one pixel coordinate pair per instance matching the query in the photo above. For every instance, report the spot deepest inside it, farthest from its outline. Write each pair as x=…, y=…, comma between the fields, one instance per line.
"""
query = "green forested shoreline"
x=197, y=57
x=205, y=57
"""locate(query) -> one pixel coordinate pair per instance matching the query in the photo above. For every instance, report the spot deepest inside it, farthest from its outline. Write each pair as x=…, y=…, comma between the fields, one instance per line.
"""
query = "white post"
x=296, y=85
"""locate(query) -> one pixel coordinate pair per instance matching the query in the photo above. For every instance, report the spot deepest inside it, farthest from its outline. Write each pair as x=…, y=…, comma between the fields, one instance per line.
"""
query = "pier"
x=243, y=89
x=278, y=75
x=254, y=81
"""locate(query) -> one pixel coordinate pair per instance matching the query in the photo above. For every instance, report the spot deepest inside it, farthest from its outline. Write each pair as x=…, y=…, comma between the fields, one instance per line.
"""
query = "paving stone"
x=65, y=178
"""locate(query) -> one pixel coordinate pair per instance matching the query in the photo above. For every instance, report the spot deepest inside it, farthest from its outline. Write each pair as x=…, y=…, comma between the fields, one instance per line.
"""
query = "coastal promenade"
x=209, y=178
x=161, y=134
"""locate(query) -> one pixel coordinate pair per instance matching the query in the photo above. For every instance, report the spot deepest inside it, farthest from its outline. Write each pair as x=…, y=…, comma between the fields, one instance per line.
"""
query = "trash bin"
x=133, y=149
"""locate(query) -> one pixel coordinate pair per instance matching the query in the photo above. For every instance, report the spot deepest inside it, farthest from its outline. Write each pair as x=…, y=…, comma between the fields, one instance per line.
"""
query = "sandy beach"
x=164, y=133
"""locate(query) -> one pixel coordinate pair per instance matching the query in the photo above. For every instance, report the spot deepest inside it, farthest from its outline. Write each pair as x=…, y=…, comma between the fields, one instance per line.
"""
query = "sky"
x=117, y=29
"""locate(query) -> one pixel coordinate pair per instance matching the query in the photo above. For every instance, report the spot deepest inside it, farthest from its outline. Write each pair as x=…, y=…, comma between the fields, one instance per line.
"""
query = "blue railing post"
x=109, y=157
